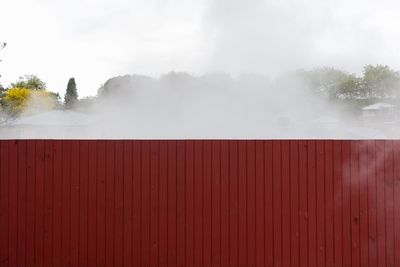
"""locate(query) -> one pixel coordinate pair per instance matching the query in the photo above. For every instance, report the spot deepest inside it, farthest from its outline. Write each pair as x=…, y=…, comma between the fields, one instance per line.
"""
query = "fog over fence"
x=181, y=106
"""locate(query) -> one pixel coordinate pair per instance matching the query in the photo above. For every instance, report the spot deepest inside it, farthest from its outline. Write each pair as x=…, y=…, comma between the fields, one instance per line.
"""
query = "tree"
x=18, y=100
x=29, y=82
x=27, y=95
x=351, y=88
x=380, y=81
x=71, y=94
x=332, y=82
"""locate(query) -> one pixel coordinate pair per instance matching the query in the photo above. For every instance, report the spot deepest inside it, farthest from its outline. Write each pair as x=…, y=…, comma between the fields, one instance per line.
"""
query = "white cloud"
x=274, y=36
x=94, y=40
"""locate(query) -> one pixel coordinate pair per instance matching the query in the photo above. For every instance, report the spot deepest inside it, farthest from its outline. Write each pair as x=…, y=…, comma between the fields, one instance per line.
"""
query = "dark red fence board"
x=303, y=203
x=199, y=203
x=396, y=171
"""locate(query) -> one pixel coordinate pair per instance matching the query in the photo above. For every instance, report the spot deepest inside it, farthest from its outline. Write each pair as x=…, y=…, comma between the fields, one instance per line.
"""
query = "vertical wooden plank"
x=128, y=186
x=4, y=201
x=66, y=200
x=154, y=203
x=396, y=180
x=364, y=237
x=347, y=245
x=137, y=204
x=303, y=203
x=216, y=203
x=110, y=202
x=372, y=205
x=21, y=227
x=242, y=205
x=388, y=182
x=101, y=203
x=251, y=202
x=30, y=198
x=337, y=202
x=225, y=203
x=320, y=181
x=198, y=203
x=83, y=202
x=189, y=199
x=329, y=204
x=75, y=203
x=180, y=198
x=269, y=203
x=57, y=202
x=233, y=204
x=145, y=215
x=172, y=244
x=380, y=187
x=39, y=216
x=92, y=203
x=355, y=203
x=294, y=203
x=119, y=204
x=277, y=202
x=163, y=204
x=207, y=204
x=286, y=203
x=260, y=207
x=13, y=202
x=48, y=203
x=312, y=207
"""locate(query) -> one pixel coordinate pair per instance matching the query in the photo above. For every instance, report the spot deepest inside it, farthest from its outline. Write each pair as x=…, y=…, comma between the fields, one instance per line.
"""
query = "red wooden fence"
x=199, y=203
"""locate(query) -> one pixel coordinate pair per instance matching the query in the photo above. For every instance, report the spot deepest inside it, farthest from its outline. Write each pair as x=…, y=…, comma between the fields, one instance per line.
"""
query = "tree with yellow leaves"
x=23, y=100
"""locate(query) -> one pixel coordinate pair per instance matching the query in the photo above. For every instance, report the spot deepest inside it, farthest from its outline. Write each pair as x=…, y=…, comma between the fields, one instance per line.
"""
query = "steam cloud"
x=181, y=106
x=235, y=36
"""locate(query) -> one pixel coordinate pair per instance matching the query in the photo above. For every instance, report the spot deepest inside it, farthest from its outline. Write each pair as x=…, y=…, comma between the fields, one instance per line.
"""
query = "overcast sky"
x=93, y=40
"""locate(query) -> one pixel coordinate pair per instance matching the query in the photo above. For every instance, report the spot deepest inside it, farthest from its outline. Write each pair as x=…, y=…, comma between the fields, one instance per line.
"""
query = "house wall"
x=199, y=203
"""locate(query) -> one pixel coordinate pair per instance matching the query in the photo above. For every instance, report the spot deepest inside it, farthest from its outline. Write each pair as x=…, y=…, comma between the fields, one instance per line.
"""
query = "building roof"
x=53, y=118
x=379, y=106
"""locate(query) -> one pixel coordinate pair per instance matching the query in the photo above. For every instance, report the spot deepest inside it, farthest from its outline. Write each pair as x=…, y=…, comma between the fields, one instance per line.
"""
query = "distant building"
x=50, y=124
x=381, y=115
x=380, y=111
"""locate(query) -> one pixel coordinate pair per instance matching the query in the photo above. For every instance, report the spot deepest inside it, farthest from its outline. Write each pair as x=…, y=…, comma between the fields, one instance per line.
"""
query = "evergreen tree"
x=71, y=95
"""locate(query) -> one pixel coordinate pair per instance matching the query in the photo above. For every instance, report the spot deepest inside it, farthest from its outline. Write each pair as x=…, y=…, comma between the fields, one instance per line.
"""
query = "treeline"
x=376, y=83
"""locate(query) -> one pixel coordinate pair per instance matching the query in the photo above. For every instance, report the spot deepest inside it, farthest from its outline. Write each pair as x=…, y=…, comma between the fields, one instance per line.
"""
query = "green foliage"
x=124, y=85
x=29, y=82
x=377, y=82
x=330, y=82
x=380, y=81
x=71, y=94
x=351, y=87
